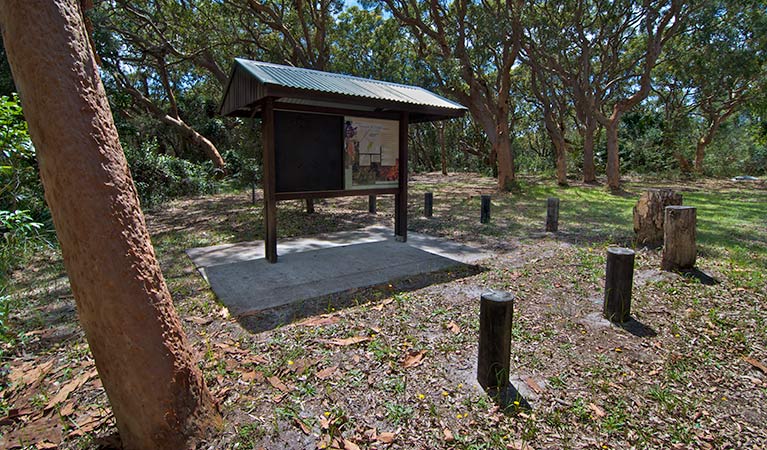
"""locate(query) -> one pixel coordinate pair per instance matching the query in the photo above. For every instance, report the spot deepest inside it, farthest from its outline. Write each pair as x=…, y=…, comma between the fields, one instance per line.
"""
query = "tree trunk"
x=442, y=146
x=700, y=152
x=613, y=161
x=505, y=160
x=589, y=168
x=150, y=375
x=649, y=215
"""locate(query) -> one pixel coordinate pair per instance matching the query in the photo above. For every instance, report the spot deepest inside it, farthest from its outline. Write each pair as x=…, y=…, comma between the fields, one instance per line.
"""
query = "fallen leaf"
x=47, y=428
x=345, y=342
x=533, y=385
x=448, y=435
x=67, y=409
x=326, y=373
x=319, y=321
x=413, y=359
x=256, y=359
x=231, y=349
x=87, y=425
x=252, y=375
x=453, y=327
x=70, y=387
x=307, y=431
x=756, y=364
x=14, y=415
x=30, y=372
x=599, y=412
x=349, y=445
x=519, y=445
x=278, y=384
x=380, y=306
x=200, y=320
x=386, y=438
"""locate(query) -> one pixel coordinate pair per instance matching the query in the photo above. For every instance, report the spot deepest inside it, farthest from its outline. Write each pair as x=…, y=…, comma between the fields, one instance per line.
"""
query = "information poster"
x=371, y=152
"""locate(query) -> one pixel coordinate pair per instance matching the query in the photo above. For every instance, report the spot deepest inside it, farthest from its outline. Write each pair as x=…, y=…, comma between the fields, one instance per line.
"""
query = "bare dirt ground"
x=394, y=366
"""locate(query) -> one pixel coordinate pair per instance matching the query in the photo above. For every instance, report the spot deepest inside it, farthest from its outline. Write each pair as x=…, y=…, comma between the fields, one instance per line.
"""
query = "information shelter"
x=330, y=135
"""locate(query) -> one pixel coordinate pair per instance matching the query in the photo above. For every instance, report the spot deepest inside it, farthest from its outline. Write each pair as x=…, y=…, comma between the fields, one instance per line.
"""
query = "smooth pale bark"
x=156, y=390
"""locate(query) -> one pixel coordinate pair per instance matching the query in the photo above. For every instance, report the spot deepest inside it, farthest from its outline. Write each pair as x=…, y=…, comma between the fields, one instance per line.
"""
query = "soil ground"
x=393, y=366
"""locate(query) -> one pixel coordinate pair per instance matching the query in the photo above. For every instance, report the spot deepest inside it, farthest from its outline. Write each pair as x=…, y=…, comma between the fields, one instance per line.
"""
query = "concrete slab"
x=321, y=265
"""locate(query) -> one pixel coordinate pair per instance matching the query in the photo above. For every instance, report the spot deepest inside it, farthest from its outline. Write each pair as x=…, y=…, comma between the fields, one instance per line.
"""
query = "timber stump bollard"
x=552, y=214
x=496, y=310
x=372, y=204
x=484, y=216
x=310, y=206
x=619, y=277
x=679, y=252
x=428, y=204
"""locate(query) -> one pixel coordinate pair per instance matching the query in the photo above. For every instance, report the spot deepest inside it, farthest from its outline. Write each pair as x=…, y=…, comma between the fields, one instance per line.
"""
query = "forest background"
x=576, y=89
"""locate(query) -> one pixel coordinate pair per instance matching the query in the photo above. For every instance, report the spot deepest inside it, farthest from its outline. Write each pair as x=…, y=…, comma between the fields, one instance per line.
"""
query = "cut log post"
x=496, y=310
x=428, y=204
x=649, y=215
x=679, y=251
x=619, y=277
x=372, y=204
x=552, y=214
x=253, y=192
x=484, y=216
x=310, y=206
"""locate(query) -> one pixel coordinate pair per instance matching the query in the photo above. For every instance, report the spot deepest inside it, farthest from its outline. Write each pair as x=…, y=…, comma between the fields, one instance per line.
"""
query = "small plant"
x=397, y=413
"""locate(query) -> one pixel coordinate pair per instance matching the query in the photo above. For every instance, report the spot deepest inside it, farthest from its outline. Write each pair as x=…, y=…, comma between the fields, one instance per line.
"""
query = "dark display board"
x=308, y=152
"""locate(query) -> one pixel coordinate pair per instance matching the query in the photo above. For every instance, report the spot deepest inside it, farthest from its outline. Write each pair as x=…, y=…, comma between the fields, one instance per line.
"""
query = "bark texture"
x=649, y=214
x=679, y=251
x=157, y=393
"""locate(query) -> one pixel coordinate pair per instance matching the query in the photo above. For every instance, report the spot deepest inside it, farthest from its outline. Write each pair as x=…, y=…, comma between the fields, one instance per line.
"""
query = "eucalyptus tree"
x=604, y=51
x=149, y=372
x=294, y=32
x=724, y=62
x=470, y=48
x=154, y=50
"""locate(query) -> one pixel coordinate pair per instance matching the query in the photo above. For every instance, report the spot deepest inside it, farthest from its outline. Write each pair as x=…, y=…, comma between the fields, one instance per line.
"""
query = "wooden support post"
x=496, y=310
x=552, y=214
x=310, y=206
x=679, y=251
x=428, y=204
x=372, y=204
x=253, y=192
x=400, y=198
x=270, y=200
x=484, y=216
x=619, y=277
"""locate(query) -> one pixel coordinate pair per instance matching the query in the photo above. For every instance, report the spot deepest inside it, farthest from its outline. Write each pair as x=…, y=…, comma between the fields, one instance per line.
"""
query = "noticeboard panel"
x=308, y=152
x=371, y=153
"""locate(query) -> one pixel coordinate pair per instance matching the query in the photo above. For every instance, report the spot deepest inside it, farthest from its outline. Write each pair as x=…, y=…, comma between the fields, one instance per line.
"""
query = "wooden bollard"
x=496, y=310
x=619, y=277
x=552, y=214
x=310, y=206
x=253, y=192
x=372, y=204
x=428, y=204
x=679, y=252
x=484, y=216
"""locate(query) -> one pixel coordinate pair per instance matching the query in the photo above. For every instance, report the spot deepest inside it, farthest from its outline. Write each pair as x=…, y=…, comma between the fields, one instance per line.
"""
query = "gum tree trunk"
x=157, y=393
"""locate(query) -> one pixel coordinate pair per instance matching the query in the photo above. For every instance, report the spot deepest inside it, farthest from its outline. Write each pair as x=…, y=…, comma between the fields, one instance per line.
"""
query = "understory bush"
x=159, y=177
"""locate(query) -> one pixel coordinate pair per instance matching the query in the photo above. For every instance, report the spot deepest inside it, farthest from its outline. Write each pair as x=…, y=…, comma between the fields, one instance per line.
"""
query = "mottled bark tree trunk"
x=589, y=168
x=157, y=393
x=613, y=160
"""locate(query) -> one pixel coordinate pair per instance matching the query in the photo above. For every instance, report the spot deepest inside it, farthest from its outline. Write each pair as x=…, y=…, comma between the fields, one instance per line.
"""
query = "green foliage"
x=23, y=214
x=160, y=177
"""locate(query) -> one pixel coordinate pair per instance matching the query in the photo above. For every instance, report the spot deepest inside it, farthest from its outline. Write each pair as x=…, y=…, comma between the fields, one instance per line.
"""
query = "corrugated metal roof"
x=357, y=89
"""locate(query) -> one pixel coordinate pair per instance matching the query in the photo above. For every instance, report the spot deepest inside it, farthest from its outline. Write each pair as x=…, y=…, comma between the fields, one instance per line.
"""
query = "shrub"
x=159, y=178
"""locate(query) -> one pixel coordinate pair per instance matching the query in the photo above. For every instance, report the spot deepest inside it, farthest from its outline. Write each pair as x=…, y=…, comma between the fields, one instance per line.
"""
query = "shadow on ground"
x=268, y=319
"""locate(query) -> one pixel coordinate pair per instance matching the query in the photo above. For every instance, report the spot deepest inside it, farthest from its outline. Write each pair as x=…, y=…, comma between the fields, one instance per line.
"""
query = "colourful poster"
x=371, y=152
